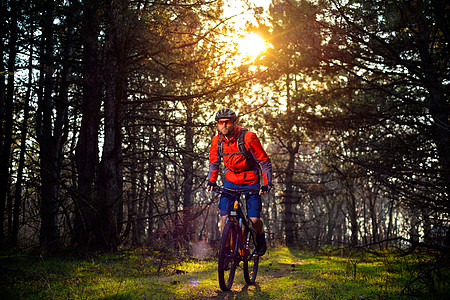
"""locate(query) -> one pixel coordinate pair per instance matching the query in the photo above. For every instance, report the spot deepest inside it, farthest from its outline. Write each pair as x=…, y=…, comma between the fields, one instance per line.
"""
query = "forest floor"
x=283, y=274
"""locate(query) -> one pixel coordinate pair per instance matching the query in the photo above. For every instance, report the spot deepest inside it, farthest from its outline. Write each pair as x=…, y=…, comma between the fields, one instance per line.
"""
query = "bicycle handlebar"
x=221, y=189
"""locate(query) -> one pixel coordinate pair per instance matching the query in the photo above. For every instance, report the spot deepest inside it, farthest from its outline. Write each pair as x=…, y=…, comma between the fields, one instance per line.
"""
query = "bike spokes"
x=228, y=256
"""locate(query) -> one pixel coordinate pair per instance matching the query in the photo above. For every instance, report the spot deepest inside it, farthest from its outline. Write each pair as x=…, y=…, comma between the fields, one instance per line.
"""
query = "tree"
x=384, y=67
x=51, y=129
x=87, y=146
x=7, y=109
x=285, y=122
x=110, y=175
x=21, y=163
x=141, y=75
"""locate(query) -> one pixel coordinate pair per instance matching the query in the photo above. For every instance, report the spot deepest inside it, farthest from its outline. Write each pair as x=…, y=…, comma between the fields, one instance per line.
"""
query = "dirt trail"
x=270, y=272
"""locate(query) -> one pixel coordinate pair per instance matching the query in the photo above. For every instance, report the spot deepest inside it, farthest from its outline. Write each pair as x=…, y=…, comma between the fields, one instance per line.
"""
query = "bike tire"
x=251, y=259
x=228, y=256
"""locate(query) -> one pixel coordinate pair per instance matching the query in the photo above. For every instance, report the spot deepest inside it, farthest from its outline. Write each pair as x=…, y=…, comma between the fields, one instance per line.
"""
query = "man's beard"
x=229, y=132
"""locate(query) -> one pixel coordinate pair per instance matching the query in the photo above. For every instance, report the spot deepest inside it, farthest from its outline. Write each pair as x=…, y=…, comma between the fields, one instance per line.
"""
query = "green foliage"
x=285, y=273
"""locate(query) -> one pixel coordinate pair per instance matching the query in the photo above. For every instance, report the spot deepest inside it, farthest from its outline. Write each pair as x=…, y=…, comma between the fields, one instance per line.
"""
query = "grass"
x=283, y=274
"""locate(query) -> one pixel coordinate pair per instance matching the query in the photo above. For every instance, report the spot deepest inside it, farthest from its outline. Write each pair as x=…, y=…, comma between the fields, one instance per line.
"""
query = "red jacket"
x=236, y=165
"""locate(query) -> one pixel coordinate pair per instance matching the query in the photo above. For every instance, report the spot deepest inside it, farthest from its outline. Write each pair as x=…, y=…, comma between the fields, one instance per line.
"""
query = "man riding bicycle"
x=245, y=161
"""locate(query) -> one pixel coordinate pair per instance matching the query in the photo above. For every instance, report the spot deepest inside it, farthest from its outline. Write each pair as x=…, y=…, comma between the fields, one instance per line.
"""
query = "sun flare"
x=251, y=45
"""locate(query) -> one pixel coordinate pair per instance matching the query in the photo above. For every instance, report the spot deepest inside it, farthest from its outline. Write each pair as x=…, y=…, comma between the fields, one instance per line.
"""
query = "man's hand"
x=265, y=189
x=211, y=185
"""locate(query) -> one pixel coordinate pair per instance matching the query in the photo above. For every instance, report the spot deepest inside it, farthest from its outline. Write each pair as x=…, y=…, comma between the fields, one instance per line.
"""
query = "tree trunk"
x=86, y=152
x=132, y=204
x=3, y=14
x=414, y=227
x=289, y=221
x=142, y=202
x=49, y=144
x=373, y=216
x=438, y=101
x=23, y=143
x=110, y=179
x=388, y=232
x=331, y=213
x=188, y=162
x=151, y=183
x=7, y=116
x=354, y=226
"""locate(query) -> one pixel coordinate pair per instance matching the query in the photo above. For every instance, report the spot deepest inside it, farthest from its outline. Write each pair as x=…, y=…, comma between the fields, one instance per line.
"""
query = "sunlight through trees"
x=107, y=114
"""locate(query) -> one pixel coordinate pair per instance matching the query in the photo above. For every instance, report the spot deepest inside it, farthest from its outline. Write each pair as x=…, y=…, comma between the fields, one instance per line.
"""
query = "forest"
x=107, y=115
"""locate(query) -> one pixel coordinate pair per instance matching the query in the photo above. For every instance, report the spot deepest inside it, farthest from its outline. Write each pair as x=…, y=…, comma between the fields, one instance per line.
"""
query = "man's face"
x=226, y=127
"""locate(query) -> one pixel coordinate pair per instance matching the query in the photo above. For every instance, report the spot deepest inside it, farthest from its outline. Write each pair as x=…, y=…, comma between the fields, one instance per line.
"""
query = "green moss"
x=284, y=273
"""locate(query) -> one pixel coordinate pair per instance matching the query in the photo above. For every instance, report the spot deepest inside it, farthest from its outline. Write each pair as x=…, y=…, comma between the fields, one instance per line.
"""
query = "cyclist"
x=243, y=169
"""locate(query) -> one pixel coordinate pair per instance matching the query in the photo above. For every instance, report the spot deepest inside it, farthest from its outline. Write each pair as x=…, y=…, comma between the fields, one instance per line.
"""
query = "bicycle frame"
x=237, y=243
x=237, y=216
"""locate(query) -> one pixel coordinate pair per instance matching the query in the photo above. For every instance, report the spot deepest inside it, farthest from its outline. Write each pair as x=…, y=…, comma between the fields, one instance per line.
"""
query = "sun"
x=251, y=45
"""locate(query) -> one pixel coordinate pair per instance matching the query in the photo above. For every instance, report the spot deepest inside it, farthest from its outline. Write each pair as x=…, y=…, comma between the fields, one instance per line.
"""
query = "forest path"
x=283, y=273
x=275, y=273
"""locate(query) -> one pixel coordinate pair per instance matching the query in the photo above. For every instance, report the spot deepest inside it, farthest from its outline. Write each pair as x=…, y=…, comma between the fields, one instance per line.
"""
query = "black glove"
x=211, y=183
x=266, y=188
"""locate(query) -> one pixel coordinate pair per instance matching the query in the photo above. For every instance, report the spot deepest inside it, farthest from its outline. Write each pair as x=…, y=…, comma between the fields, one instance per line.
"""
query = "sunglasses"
x=227, y=122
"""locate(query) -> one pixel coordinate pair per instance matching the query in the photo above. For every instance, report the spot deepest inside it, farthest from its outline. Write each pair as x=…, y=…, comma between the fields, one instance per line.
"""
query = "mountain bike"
x=238, y=242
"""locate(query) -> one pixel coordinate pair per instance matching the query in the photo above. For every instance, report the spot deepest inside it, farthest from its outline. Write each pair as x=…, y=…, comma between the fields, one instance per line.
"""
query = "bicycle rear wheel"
x=228, y=256
x=251, y=259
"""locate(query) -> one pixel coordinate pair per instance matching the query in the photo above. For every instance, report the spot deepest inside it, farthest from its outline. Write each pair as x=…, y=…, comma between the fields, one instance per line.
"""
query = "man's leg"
x=225, y=207
x=261, y=245
x=257, y=225
x=223, y=220
x=254, y=207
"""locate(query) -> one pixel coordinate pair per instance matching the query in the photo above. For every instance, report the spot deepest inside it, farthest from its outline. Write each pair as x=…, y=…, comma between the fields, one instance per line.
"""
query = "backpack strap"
x=252, y=164
x=240, y=140
x=241, y=144
x=220, y=145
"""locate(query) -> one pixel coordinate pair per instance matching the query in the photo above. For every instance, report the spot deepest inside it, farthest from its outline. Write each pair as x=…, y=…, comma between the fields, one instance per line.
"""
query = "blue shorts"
x=254, y=202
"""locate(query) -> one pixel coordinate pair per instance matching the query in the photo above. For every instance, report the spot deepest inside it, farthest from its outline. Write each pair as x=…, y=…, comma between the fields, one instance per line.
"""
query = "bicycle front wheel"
x=228, y=256
x=251, y=259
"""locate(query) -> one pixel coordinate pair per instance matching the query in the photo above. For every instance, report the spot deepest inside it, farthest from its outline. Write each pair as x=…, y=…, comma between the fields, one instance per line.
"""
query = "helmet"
x=226, y=113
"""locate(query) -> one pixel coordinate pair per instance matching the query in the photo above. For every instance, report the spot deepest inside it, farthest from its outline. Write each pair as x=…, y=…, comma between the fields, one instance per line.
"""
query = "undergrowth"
x=283, y=274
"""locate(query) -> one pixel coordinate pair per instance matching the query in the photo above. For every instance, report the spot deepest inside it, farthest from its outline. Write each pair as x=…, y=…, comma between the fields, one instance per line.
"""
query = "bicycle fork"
x=237, y=219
